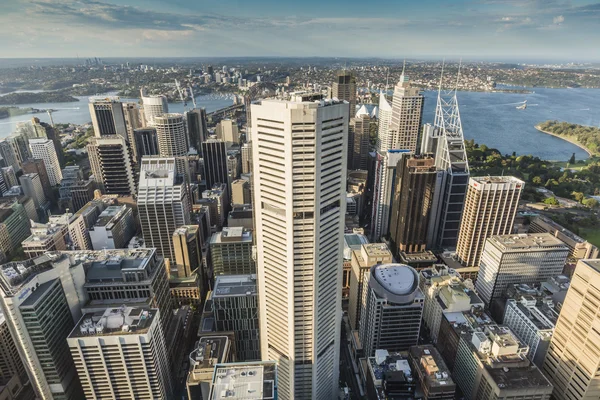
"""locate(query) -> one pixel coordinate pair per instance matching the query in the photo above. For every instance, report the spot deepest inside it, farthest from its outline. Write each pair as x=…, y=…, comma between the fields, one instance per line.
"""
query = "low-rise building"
x=388, y=376
x=52, y=236
x=242, y=380
x=113, y=229
x=432, y=373
x=210, y=351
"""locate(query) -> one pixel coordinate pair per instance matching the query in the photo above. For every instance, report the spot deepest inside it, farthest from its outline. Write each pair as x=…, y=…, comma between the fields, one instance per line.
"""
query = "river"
x=489, y=118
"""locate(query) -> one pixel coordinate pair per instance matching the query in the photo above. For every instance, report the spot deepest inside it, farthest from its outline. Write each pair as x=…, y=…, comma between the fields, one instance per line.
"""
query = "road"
x=346, y=372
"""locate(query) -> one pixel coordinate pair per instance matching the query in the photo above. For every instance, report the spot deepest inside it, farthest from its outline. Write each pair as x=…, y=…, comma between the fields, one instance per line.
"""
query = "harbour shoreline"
x=574, y=142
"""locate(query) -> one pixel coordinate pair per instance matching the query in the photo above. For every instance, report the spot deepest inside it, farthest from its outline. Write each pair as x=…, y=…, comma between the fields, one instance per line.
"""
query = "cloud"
x=558, y=20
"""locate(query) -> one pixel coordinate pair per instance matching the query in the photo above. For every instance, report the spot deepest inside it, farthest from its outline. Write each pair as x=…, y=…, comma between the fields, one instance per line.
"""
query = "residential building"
x=240, y=378
x=234, y=301
x=573, y=359
x=490, y=208
x=492, y=364
x=210, y=351
x=121, y=353
x=411, y=206
x=240, y=192
x=214, y=153
x=163, y=203
x=432, y=373
x=231, y=252
x=513, y=259
x=407, y=115
x=111, y=162
x=44, y=149
x=108, y=118
x=299, y=238
x=227, y=131
x=145, y=142
x=113, y=229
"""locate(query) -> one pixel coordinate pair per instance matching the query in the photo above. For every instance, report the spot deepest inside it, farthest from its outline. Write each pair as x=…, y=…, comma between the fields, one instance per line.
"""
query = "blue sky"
x=472, y=29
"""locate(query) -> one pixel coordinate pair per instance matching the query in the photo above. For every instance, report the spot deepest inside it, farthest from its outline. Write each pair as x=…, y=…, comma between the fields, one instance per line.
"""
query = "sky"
x=500, y=30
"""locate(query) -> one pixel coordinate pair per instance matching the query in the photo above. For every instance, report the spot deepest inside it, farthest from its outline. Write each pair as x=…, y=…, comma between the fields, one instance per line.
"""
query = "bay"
x=489, y=118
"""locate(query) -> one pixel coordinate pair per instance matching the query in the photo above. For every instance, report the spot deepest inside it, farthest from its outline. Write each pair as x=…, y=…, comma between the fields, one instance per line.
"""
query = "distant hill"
x=41, y=97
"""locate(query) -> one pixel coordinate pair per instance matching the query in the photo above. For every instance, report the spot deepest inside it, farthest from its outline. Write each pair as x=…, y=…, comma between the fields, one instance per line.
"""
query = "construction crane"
x=193, y=97
x=50, y=115
x=181, y=94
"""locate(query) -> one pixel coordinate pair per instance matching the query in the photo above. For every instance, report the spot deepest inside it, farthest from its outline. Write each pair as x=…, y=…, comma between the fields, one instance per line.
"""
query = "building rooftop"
x=251, y=380
x=376, y=250
x=396, y=278
x=595, y=264
x=519, y=379
x=433, y=369
x=229, y=234
x=37, y=294
x=115, y=321
x=109, y=216
x=494, y=180
x=211, y=350
x=525, y=241
x=234, y=285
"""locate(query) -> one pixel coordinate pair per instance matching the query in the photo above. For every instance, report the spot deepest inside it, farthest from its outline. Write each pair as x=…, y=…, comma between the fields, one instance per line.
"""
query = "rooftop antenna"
x=387, y=79
x=403, y=66
x=457, y=75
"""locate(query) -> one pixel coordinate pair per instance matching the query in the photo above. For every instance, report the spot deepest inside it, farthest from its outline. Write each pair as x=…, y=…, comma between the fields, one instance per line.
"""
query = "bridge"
x=224, y=112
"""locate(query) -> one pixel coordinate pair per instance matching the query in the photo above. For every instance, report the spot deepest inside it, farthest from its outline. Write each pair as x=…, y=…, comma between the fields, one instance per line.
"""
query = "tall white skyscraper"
x=407, y=113
x=172, y=140
x=154, y=105
x=299, y=155
x=384, y=117
x=44, y=149
x=108, y=118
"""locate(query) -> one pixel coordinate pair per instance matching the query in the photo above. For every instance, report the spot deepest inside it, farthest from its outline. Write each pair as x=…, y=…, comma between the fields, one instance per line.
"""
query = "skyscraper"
x=44, y=150
x=33, y=166
x=384, y=118
x=227, y=131
x=108, y=118
x=358, y=149
x=299, y=155
x=407, y=114
x=133, y=121
x=214, y=153
x=246, y=158
x=415, y=186
x=391, y=309
x=170, y=131
x=47, y=131
x=490, y=208
x=163, y=203
x=515, y=259
x=196, y=126
x=145, y=142
x=344, y=88
x=573, y=359
x=111, y=162
x=32, y=187
x=154, y=105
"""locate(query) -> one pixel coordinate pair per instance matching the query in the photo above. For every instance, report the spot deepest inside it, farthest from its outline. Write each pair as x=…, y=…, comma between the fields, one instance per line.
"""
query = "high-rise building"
x=145, y=142
x=41, y=301
x=491, y=364
x=154, y=105
x=299, y=171
x=212, y=350
x=113, y=229
x=407, y=114
x=33, y=166
x=53, y=236
x=133, y=121
x=10, y=361
x=32, y=187
x=231, y=252
x=240, y=192
x=20, y=146
x=170, y=131
x=246, y=158
x=188, y=250
x=227, y=131
x=391, y=309
x=513, y=259
x=108, y=118
x=14, y=226
x=490, y=208
x=163, y=203
x=344, y=88
x=240, y=378
x=121, y=353
x=358, y=148
x=384, y=118
x=44, y=130
x=214, y=153
x=411, y=207
x=196, y=126
x=44, y=149
x=573, y=359
x=432, y=373
x=579, y=248
x=368, y=255
x=7, y=153
x=9, y=177
x=111, y=162
x=234, y=302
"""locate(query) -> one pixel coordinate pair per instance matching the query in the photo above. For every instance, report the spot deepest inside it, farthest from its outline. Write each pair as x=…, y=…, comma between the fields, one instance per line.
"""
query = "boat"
x=522, y=106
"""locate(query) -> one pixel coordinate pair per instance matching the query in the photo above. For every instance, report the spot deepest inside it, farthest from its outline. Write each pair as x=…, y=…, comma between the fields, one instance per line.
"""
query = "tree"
x=551, y=201
x=591, y=203
x=536, y=180
x=578, y=196
x=572, y=159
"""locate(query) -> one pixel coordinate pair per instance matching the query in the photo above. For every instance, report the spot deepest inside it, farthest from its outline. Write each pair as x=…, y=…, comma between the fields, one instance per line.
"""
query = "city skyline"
x=474, y=29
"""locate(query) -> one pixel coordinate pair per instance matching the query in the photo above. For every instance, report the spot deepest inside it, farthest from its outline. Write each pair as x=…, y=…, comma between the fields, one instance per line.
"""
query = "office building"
x=492, y=364
x=573, y=359
x=154, y=106
x=19, y=143
x=145, y=142
x=388, y=375
x=113, y=229
x=111, y=162
x=391, y=309
x=362, y=260
x=299, y=238
x=108, y=118
x=41, y=301
x=445, y=292
x=14, y=226
x=133, y=121
x=411, y=207
x=241, y=379
x=8, y=155
x=44, y=149
x=211, y=351
x=384, y=187
x=352, y=242
x=579, y=248
x=53, y=236
x=44, y=130
x=214, y=153
x=384, y=118
x=188, y=251
x=360, y=135
x=32, y=187
x=344, y=88
x=431, y=373
x=163, y=203
x=513, y=259
x=121, y=353
x=240, y=192
x=196, y=126
x=407, y=115
x=231, y=252
x=227, y=131
x=234, y=301
x=240, y=216
x=490, y=208
x=217, y=202
x=33, y=166
x=9, y=177
x=246, y=158
x=171, y=135
x=10, y=361
x=74, y=194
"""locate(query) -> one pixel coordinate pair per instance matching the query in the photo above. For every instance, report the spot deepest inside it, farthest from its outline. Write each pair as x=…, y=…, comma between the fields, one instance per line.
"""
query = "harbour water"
x=489, y=118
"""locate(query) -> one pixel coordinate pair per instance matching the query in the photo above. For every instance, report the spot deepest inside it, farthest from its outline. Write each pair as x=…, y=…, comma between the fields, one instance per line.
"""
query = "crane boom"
x=193, y=97
x=180, y=93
